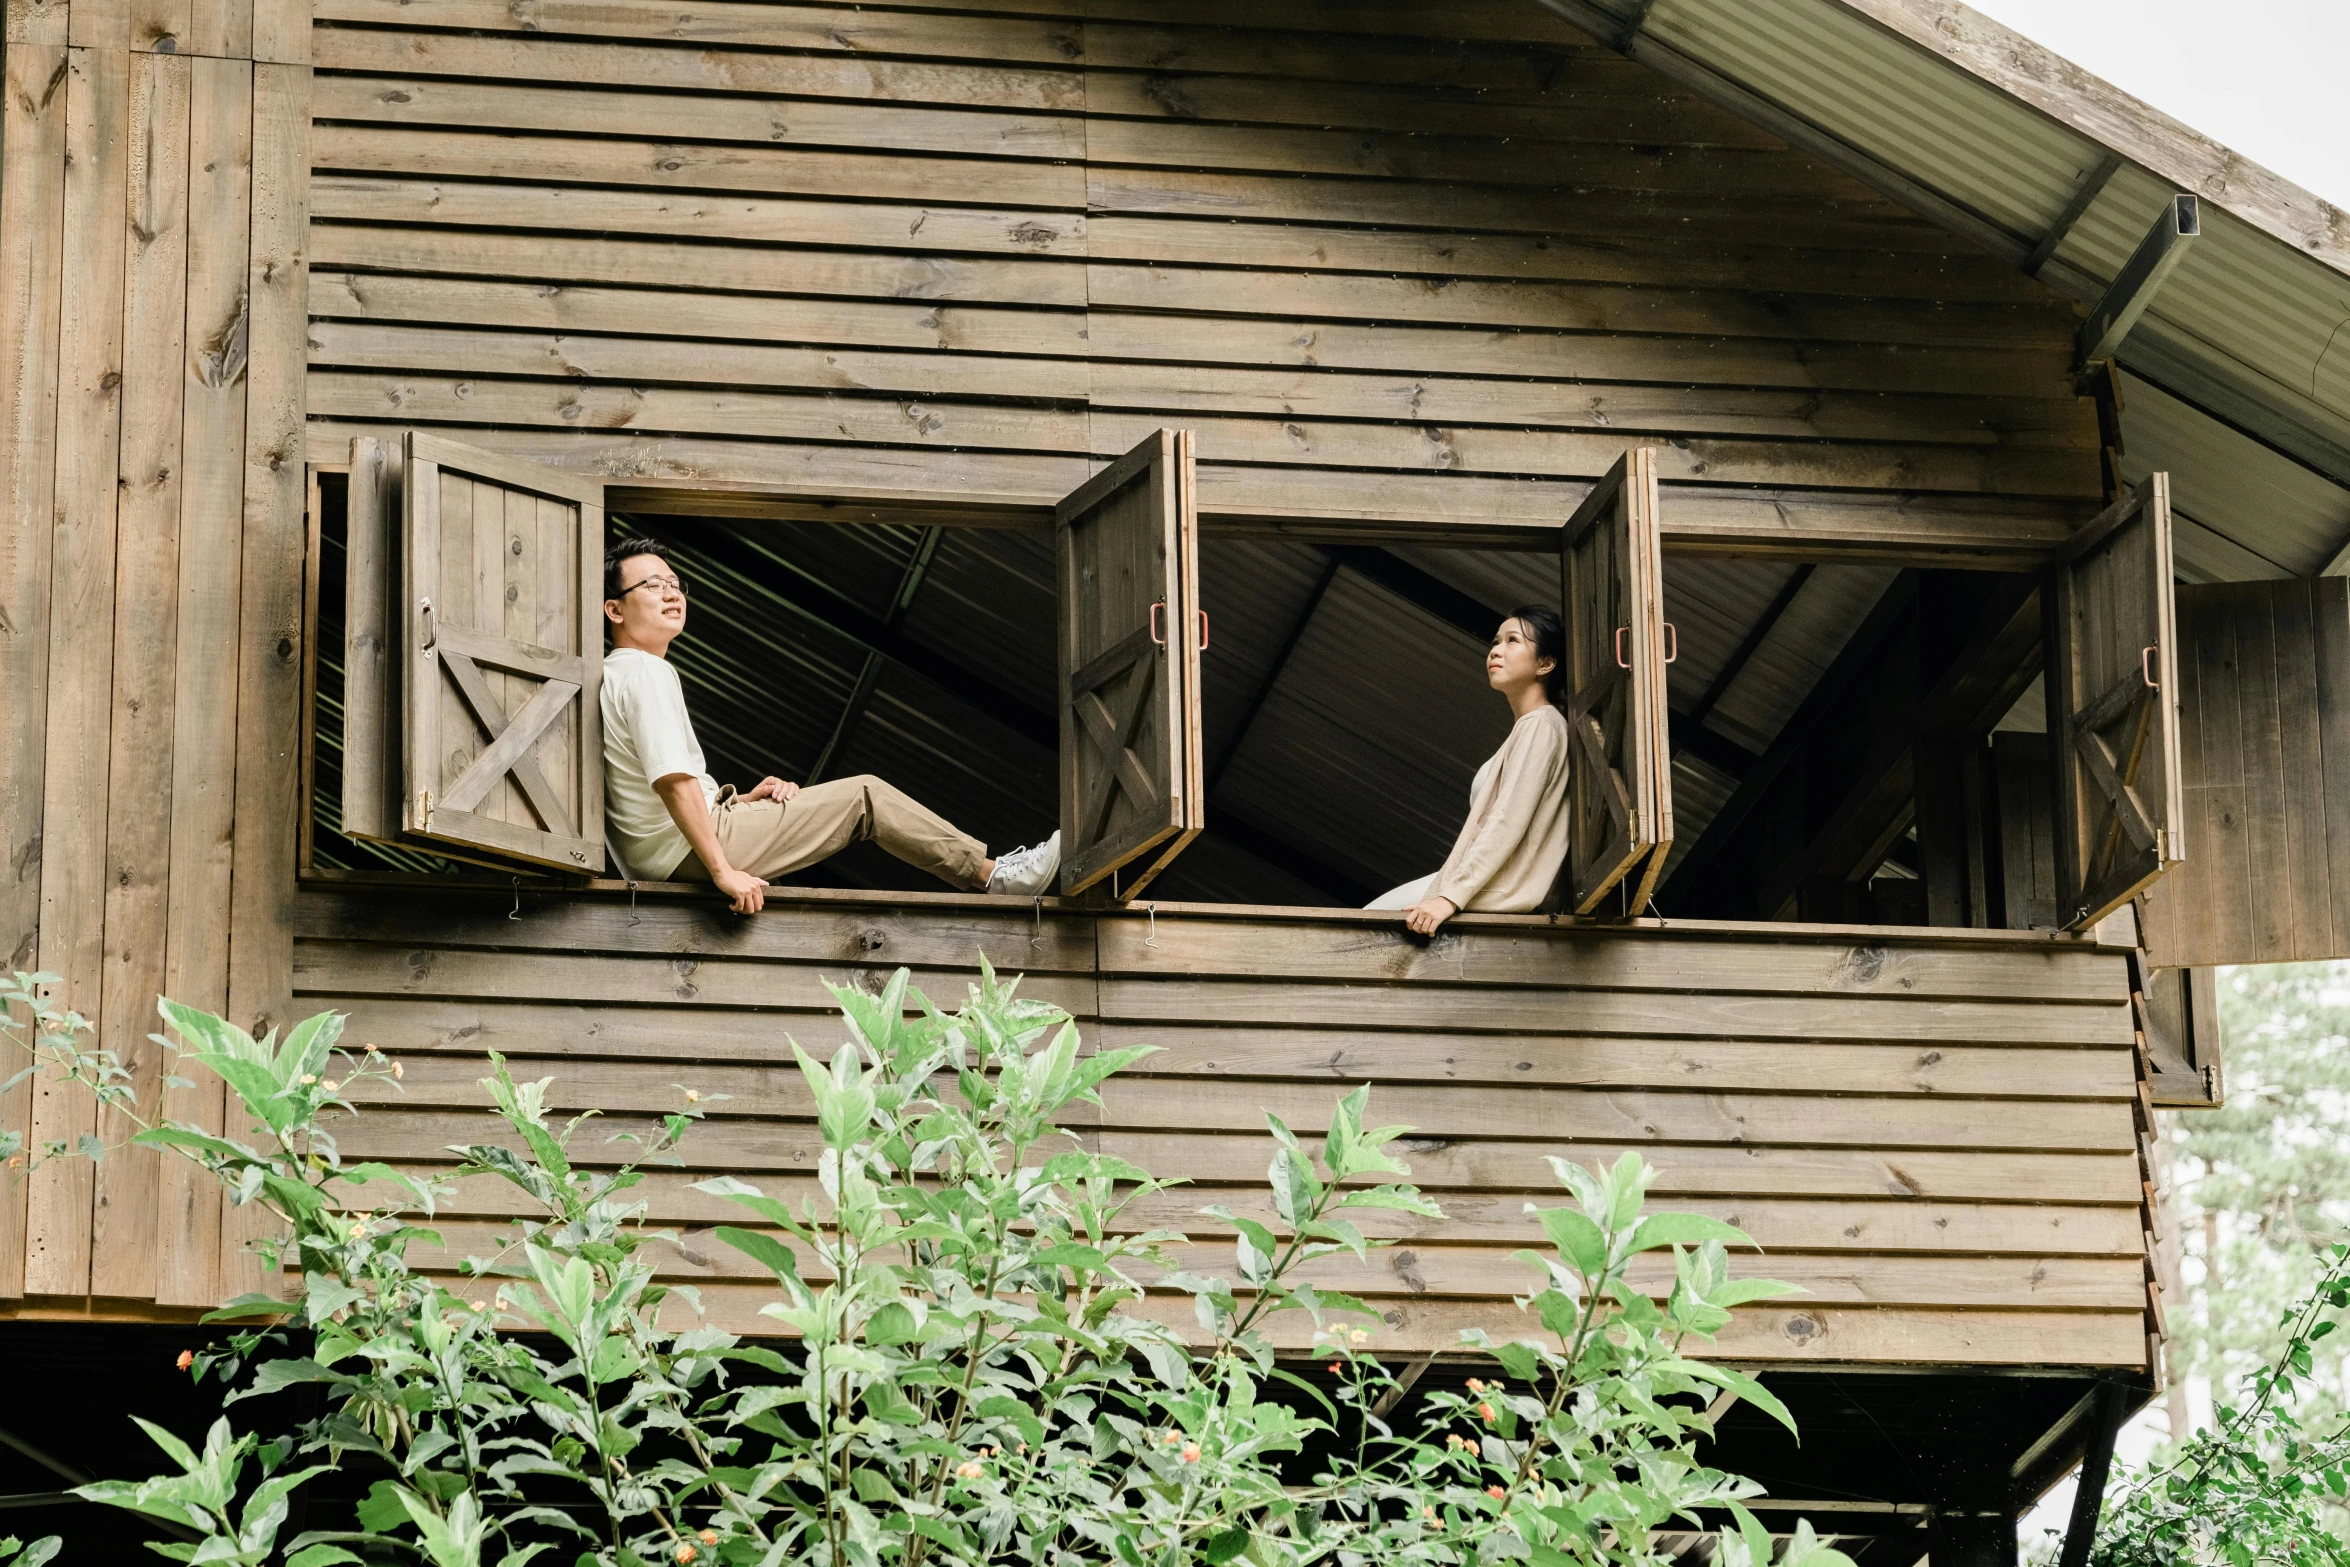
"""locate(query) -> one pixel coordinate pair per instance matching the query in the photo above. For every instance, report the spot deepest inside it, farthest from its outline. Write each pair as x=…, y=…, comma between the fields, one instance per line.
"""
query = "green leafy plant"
x=15, y=1553
x=2255, y=1488
x=972, y=1361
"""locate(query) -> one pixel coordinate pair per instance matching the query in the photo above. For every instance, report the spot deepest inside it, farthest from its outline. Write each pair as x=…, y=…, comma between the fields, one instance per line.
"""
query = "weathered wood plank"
x=1899, y=1226
x=1017, y=940
x=1492, y=1273
x=768, y=122
x=270, y=631
x=146, y=634
x=645, y=61
x=1571, y=307
x=32, y=255
x=1767, y=961
x=81, y=636
x=683, y=166
x=907, y=324
x=204, y=704
x=1605, y=1012
x=1337, y=1057
x=572, y=259
x=753, y=219
x=758, y=1149
x=1550, y=1116
x=333, y=968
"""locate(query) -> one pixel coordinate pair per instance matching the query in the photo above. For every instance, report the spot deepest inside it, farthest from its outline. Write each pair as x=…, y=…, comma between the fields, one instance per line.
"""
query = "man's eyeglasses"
x=657, y=584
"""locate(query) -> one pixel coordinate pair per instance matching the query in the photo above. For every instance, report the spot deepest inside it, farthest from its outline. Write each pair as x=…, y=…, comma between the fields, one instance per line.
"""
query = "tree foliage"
x=966, y=1367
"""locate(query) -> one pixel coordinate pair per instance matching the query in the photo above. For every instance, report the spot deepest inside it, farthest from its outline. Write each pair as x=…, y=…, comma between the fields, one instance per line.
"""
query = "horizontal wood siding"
x=1933, y=1136
x=960, y=252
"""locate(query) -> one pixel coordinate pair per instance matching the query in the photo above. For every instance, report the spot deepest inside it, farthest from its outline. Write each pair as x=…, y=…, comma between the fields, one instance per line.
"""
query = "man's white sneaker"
x=1026, y=873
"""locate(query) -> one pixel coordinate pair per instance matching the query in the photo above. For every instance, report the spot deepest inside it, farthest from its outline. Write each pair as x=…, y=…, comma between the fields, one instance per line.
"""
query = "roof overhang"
x=2239, y=371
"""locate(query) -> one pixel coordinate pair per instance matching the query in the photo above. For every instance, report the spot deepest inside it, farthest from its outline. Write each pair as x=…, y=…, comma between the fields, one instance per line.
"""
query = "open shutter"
x=1132, y=784
x=2113, y=705
x=2264, y=745
x=1619, y=770
x=502, y=741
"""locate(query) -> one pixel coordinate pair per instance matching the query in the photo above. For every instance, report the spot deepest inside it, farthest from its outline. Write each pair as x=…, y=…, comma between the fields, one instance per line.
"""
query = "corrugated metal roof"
x=2250, y=336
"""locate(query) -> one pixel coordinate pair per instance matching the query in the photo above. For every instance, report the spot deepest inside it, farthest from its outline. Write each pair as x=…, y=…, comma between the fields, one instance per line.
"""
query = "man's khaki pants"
x=769, y=838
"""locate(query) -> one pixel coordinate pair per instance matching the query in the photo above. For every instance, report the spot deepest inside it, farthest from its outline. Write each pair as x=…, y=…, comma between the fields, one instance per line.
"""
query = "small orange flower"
x=970, y=1470
x=709, y=1537
x=1496, y=1492
x=398, y=1070
x=1476, y=1386
x=1173, y=1437
x=328, y=1085
x=686, y=1553
x=1485, y=1413
x=1191, y=1452
x=187, y=1359
x=1334, y=1368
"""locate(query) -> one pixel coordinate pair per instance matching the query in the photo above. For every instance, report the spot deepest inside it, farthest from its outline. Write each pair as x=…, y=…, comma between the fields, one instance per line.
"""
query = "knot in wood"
x=871, y=938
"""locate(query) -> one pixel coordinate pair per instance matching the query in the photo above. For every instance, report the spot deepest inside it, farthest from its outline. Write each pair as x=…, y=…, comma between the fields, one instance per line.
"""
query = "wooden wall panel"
x=1100, y=200
x=2265, y=751
x=1934, y=1138
x=135, y=563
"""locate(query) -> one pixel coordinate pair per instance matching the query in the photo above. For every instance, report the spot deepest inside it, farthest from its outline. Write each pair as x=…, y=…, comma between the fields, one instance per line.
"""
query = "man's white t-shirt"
x=647, y=736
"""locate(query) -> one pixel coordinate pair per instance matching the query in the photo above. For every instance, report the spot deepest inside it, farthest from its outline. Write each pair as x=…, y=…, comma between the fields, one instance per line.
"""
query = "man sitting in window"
x=669, y=819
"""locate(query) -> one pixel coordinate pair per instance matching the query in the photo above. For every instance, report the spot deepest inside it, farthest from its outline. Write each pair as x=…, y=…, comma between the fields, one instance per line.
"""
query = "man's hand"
x=1425, y=915
x=773, y=789
x=747, y=894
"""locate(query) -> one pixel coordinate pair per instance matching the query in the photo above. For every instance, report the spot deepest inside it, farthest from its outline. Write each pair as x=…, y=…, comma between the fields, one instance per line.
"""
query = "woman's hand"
x=1425, y=915
x=773, y=789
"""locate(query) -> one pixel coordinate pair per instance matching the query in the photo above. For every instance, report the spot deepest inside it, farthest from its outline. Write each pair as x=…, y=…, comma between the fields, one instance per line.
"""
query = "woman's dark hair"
x=1550, y=641
x=627, y=549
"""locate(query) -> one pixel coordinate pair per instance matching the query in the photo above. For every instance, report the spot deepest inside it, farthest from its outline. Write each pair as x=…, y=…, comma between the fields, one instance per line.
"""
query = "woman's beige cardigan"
x=1507, y=858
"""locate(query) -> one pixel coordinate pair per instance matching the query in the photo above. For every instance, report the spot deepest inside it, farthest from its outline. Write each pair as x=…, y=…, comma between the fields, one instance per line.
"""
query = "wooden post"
x=2096, y=1464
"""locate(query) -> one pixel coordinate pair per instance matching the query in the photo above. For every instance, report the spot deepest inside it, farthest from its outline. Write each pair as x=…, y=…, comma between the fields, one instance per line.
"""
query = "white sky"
x=2264, y=77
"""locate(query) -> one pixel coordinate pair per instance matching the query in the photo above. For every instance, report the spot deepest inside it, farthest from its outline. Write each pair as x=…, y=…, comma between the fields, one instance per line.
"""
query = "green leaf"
x=1738, y=1382
x=765, y=1250
x=1685, y=1229
x=1223, y=1547
x=1579, y=1240
x=320, y=1556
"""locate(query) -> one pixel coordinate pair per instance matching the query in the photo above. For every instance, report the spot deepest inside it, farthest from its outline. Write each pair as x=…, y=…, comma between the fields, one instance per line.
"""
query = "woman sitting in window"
x=1507, y=858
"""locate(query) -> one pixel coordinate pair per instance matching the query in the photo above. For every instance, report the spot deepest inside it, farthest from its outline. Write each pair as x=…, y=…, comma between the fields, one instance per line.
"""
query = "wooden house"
x=1133, y=417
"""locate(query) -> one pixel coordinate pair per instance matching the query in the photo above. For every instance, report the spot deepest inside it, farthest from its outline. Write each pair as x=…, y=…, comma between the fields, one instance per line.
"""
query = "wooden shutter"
x=1131, y=777
x=501, y=627
x=371, y=703
x=2264, y=746
x=2113, y=705
x=1618, y=772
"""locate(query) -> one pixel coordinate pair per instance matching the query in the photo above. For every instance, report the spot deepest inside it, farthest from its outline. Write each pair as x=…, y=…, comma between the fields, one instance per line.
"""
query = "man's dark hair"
x=624, y=550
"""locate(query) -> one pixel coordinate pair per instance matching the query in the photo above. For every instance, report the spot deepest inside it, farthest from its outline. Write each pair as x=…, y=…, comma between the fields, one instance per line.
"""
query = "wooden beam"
x=2133, y=289
x=869, y=676
x=2085, y=196
x=1264, y=691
